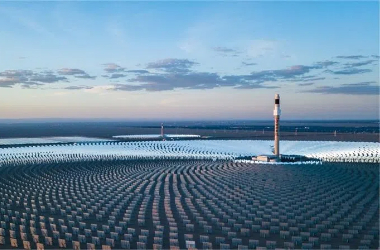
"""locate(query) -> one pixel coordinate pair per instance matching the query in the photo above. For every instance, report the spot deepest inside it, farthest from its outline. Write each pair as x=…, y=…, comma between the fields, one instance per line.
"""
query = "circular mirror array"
x=204, y=204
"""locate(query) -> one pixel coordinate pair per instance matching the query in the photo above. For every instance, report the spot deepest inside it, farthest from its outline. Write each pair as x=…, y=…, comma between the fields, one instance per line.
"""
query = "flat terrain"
x=217, y=204
x=290, y=130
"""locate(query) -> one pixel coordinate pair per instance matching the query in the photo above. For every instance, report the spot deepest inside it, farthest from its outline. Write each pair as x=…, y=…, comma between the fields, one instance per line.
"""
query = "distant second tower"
x=162, y=130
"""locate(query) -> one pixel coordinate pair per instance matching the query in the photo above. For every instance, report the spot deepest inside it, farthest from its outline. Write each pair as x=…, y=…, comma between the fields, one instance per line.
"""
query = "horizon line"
x=4, y=120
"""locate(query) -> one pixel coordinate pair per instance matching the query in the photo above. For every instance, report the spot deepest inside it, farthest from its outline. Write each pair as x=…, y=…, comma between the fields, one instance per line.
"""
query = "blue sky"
x=189, y=60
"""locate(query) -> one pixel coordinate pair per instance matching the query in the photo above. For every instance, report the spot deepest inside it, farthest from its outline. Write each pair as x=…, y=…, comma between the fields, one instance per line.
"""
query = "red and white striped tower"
x=277, y=113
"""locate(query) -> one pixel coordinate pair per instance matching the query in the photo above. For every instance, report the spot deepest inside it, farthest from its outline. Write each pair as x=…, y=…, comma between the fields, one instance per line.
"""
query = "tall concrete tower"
x=162, y=129
x=277, y=113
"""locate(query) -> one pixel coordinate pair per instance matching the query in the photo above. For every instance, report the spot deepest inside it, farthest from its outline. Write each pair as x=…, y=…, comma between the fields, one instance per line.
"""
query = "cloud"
x=375, y=56
x=167, y=74
x=31, y=85
x=224, y=51
x=78, y=73
x=9, y=78
x=120, y=72
x=113, y=68
x=255, y=86
x=359, y=64
x=16, y=73
x=324, y=64
x=348, y=89
x=285, y=56
x=359, y=83
x=293, y=73
x=100, y=89
x=306, y=84
x=207, y=80
x=307, y=79
x=116, y=71
x=138, y=71
x=85, y=77
x=127, y=87
x=77, y=87
x=354, y=57
x=350, y=71
x=274, y=75
x=48, y=78
x=172, y=65
x=172, y=73
x=192, y=80
x=70, y=72
x=177, y=74
x=27, y=78
x=350, y=68
x=8, y=82
x=116, y=75
x=248, y=64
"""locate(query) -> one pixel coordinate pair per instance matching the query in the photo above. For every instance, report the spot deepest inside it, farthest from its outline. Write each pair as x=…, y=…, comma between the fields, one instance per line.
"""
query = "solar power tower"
x=277, y=113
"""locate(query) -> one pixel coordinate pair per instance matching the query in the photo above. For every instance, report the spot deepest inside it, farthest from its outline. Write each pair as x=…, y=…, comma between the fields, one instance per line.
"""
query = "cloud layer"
x=78, y=73
x=224, y=51
x=34, y=79
x=28, y=78
x=363, y=88
x=173, y=73
x=172, y=65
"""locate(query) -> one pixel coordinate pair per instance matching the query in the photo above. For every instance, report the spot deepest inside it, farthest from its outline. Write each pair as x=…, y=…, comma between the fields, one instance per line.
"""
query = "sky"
x=189, y=60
